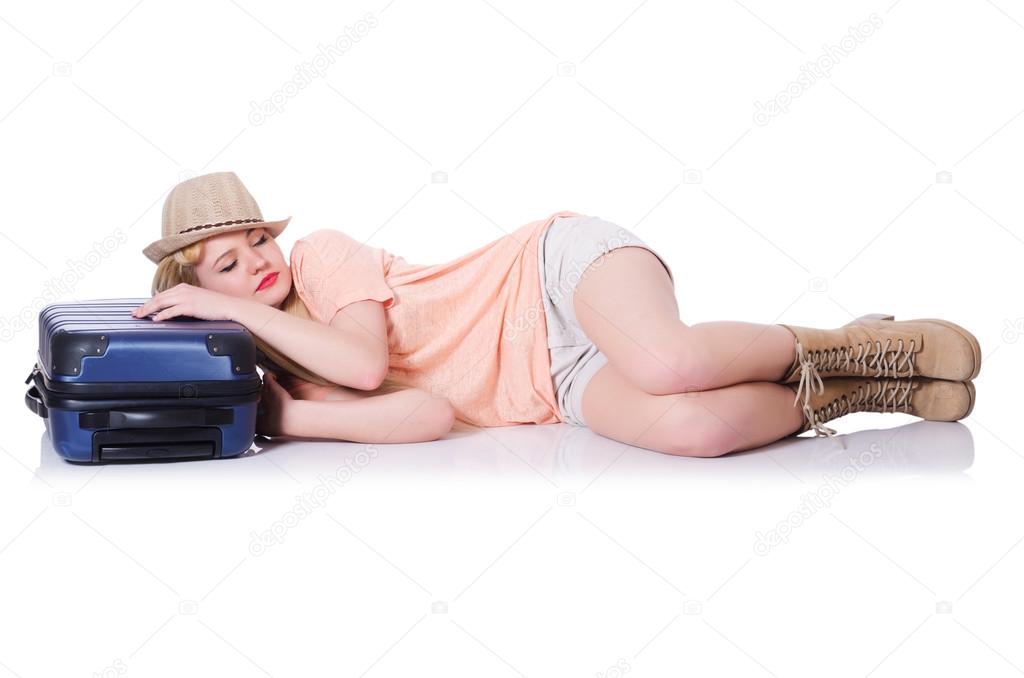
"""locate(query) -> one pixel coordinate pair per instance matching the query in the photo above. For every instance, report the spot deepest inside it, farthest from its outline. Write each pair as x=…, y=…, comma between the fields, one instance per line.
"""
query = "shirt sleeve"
x=334, y=270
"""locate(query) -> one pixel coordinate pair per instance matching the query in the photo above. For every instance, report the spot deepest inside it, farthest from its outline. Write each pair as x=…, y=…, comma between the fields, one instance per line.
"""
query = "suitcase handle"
x=172, y=418
x=150, y=451
x=35, y=403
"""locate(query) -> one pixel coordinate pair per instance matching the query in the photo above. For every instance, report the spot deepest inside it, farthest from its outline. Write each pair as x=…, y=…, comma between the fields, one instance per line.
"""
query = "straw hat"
x=204, y=206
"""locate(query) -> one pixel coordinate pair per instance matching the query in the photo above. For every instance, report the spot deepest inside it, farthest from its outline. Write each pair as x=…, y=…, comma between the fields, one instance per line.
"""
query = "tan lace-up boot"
x=931, y=399
x=876, y=345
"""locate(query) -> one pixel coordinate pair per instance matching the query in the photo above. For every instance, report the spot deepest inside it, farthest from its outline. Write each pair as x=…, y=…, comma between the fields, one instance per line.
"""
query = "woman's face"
x=236, y=263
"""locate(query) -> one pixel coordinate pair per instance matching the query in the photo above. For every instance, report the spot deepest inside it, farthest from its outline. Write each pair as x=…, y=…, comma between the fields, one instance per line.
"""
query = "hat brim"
x=158, y=249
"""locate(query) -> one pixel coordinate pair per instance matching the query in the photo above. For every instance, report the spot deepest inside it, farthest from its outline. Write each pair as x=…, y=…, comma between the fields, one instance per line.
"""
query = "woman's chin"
x=271, y=298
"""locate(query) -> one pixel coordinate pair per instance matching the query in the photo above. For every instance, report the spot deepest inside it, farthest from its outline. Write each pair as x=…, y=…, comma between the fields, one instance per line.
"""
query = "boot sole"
x=968, y=337
x=970, y=390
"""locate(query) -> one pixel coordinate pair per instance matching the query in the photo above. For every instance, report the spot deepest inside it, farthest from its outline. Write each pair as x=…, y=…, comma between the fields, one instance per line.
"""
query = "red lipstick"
x=267, y=281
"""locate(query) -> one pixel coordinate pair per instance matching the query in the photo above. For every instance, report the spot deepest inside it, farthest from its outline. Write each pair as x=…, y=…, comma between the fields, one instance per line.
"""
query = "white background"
x=543, y=550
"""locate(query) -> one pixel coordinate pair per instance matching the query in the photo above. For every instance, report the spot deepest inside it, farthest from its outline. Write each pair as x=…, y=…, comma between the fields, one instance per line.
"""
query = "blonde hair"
x=180, y=267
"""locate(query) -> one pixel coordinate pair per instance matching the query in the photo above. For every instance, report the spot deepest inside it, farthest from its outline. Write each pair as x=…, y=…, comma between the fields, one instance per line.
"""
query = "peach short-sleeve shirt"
x=472, y=329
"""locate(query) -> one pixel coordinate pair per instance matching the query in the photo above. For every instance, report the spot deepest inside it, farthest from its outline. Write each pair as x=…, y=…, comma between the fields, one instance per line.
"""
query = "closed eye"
x=263, y=239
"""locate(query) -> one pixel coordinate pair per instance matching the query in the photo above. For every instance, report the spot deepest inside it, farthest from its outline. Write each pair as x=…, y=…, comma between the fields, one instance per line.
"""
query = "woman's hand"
x=275, y=405
x=189, y=300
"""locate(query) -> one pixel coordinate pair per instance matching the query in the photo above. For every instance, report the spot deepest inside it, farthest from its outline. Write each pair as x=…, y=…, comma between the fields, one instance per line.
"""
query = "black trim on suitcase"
x=35, y=402
x=238, y=346
x=146, y=389
x=156, y=418
x=55, y=401
x=70, y=347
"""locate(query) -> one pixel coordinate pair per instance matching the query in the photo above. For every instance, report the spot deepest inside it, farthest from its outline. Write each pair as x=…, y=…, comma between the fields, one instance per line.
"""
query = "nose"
x=258, y=264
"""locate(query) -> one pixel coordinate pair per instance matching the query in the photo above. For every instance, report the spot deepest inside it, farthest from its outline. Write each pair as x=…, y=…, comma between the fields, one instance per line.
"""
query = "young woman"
x=565, y=319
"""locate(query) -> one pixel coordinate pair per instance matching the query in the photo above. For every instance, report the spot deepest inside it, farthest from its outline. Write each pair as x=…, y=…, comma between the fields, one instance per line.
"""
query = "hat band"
x=222, y=223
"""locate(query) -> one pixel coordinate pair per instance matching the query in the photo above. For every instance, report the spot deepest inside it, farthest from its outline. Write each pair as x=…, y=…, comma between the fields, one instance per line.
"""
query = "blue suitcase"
x=113, y=388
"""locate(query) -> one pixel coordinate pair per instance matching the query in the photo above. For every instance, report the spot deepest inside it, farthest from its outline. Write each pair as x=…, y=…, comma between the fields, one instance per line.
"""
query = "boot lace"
x=893, y=395
x=861, y=358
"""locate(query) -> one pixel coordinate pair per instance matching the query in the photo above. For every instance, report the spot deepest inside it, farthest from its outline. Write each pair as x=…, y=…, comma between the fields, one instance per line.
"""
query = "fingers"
x=145, y=309
x=272, y=386
x=159, y=299
x=164, y=308
x=164, y=314
x=271, y=382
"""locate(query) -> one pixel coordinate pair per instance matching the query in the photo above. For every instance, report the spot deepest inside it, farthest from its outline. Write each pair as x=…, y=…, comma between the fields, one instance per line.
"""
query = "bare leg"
x=696, y=424
x=626, y=305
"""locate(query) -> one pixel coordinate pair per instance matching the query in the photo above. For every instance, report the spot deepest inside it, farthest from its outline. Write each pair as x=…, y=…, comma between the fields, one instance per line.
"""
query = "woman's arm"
x=295, y=408
x=405, y=416
x=344, y=357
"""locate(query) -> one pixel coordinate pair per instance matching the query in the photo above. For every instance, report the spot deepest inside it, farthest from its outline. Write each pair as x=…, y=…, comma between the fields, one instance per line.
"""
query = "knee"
x=693, y=431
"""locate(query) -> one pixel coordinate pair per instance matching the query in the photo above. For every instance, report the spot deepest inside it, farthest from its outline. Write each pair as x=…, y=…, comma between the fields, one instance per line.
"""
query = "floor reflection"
x=560, y=454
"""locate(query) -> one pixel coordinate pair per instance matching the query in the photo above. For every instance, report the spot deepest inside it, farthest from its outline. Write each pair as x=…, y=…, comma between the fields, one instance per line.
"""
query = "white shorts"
x=565, y=250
